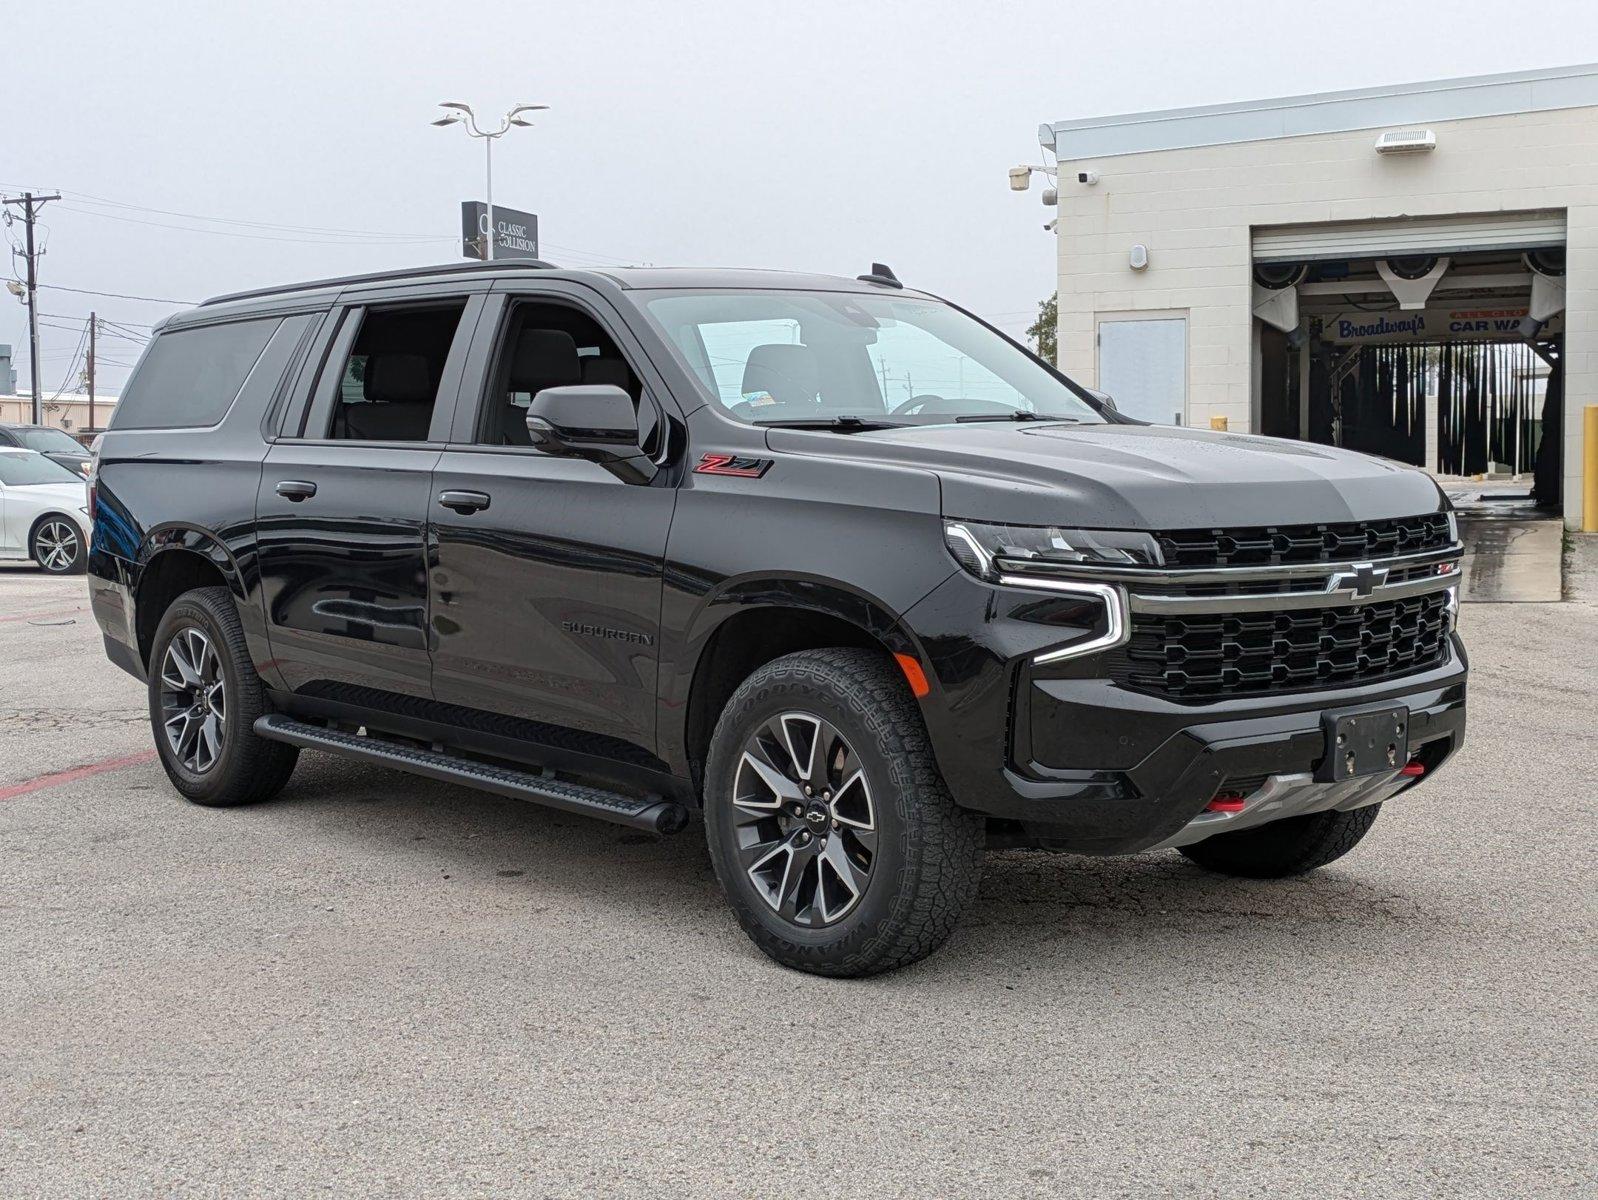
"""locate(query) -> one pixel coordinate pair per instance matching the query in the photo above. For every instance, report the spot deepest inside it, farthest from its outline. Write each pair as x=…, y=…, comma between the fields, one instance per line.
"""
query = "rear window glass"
x=190, y=376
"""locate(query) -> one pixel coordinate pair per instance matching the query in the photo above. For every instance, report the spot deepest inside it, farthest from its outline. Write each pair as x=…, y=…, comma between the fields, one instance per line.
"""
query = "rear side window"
x=189, y=377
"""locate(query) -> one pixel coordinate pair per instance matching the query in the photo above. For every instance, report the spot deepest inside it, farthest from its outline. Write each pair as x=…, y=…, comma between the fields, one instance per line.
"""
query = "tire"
x=1283, y=848
x=56, y=544
x=220, y=689
x=922, y=854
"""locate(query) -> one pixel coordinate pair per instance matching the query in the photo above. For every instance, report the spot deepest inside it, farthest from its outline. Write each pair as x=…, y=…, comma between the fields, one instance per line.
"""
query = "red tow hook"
x=1413, y=770
x=1227, y=802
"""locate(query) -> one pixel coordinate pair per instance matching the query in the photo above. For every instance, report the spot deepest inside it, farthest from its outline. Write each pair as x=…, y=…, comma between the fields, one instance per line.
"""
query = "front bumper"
x=1087, y=765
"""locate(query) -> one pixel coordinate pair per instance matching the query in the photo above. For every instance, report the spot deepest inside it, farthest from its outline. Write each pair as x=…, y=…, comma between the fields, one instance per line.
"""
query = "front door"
x=343, y=503
x=545, y=600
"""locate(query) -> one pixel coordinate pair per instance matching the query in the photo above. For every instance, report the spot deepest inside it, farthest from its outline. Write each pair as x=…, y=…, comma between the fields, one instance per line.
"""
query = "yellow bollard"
x=1589, y=470
x=1218, y=423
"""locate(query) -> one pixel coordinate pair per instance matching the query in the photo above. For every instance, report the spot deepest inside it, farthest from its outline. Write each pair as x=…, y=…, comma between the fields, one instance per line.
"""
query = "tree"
x=1043, y=331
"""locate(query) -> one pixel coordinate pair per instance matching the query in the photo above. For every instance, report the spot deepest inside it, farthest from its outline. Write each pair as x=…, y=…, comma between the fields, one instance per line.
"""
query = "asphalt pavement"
x=382, y=986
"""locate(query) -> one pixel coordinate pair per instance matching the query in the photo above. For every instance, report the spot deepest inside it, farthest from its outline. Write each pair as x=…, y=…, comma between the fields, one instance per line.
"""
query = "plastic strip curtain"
x=1488, y=407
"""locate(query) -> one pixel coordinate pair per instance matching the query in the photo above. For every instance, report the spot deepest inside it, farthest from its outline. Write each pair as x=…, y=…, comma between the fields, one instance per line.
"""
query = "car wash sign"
x=1481, y=322
x=515, y=232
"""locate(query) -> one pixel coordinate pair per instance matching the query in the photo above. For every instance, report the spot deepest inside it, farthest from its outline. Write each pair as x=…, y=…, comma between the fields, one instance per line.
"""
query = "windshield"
x=822, y=357
x=50, y=439
x=20, y=470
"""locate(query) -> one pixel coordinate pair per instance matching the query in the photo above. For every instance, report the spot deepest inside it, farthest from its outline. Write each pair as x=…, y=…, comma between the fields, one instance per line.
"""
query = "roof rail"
x=452, y=268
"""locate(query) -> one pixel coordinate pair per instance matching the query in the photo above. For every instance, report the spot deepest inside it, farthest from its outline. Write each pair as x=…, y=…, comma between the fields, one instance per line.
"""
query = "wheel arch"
x=174, y=560
x=749, y=622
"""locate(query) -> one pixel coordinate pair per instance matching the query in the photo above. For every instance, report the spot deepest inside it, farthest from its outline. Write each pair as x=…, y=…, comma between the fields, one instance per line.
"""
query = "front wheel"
x=1291, y=846
x=830, y=828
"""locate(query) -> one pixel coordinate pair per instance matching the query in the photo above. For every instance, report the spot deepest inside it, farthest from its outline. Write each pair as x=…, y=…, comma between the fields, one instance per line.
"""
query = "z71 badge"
x=730, y=464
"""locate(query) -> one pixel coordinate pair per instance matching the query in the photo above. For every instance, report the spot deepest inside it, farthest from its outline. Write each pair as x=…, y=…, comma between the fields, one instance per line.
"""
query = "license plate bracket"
x=1365, y=742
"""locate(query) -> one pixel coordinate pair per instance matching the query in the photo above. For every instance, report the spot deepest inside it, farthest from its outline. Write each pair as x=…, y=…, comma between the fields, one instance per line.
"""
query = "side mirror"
x=595, y=421
x=1103, y=398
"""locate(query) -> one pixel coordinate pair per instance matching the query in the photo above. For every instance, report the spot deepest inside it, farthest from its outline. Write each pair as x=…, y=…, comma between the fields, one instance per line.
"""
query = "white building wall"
x=1194, y=209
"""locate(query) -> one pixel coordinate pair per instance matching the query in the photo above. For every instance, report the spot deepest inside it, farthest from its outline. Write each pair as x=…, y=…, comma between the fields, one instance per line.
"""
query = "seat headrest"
x=398, y=379
x=544, y=358
x=787, y=371
x=607, y=370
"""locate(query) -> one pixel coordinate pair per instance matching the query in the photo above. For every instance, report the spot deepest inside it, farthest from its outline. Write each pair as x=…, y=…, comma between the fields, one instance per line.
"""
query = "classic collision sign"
x=515, y=232
x=1483, y=321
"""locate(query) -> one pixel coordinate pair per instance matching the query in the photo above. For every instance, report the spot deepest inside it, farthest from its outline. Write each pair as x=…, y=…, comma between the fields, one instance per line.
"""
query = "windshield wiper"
x=844, y=424
x=1019, y=414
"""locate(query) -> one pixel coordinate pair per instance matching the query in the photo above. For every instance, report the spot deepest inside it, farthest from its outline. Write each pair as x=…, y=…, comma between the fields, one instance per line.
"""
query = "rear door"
x=343, y=500
x=546, y=600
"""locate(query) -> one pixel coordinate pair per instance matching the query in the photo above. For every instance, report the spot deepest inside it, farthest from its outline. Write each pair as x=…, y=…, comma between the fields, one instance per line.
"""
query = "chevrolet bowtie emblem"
x=1362, y=581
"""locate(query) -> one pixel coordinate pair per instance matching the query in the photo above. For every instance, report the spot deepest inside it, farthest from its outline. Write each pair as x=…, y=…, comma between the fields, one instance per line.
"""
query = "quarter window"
x=189, y=377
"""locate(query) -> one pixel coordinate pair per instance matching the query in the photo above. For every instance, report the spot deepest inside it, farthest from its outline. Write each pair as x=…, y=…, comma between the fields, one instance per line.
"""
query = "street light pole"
x=462, y=114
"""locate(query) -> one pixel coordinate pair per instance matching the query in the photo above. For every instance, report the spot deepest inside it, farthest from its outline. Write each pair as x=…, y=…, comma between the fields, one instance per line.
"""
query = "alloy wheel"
x=804, y=819
x=55, y=546
x=193, y=700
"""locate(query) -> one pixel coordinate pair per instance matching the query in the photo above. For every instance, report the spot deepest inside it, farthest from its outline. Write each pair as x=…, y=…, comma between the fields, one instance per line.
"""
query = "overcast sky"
x=811, y=135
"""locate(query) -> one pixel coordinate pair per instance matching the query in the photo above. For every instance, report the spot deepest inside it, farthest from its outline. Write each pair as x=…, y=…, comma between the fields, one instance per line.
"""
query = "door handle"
x=464, y=502
x=296, y=489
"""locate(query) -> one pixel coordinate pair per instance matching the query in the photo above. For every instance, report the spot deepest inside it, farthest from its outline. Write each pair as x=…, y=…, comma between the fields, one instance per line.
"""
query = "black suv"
x=831, y=561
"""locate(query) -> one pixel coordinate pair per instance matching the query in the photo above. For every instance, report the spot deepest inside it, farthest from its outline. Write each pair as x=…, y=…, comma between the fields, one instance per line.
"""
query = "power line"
x=326, y=233
x=56, y=287
x=315, y=240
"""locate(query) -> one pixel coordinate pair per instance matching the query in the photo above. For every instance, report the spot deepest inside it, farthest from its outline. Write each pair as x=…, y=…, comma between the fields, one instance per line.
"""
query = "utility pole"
x=93, y=323
x=31, y=204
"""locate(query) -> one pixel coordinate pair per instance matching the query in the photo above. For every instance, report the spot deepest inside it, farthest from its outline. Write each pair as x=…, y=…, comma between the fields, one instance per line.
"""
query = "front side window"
x=25, y=470
x=547, y=345
x=800, y=357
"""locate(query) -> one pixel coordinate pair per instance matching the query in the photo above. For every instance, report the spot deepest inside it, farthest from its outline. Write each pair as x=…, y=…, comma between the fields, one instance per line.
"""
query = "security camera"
x=1087, y=177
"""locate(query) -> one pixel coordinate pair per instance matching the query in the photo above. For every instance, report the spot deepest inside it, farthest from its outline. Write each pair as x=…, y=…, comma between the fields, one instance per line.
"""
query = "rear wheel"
x=1283, y=848
x=57, y=546
x=830, y=828
x=204, y=700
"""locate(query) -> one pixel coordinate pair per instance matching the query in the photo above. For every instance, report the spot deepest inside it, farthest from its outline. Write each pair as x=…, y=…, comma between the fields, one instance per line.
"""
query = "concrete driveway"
x=388, y=987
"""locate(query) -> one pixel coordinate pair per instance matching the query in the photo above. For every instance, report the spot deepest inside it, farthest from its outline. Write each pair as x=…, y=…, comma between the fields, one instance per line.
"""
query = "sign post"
x=515, y=233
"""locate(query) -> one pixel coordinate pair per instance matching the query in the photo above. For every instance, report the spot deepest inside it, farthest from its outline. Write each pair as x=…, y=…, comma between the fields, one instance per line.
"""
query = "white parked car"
x=44, y=514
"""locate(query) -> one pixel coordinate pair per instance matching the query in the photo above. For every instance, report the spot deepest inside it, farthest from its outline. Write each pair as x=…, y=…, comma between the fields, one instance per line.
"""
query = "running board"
x=650, y=813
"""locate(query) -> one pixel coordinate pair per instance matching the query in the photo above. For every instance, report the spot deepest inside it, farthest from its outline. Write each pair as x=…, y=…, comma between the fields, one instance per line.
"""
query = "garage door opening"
x=1447, y=361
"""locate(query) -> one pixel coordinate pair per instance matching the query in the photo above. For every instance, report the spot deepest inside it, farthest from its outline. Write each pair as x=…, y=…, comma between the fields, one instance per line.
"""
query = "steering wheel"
x=917, y=404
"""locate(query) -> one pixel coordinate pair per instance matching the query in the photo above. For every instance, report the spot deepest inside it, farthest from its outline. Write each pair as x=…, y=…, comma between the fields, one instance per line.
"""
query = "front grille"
x=1216, y=655
x=1274, y=545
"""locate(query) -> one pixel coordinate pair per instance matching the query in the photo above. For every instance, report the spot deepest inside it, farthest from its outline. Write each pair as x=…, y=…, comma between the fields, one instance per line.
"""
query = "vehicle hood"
x=1136, y=476
x=67, y=459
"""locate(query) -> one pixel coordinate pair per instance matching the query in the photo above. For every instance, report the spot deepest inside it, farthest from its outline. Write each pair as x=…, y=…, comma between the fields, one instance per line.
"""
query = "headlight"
x=989, y=551
x=1013, y=555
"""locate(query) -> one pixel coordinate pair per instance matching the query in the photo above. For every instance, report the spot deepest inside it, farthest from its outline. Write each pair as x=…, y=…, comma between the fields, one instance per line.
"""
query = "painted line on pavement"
x=73, y=774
